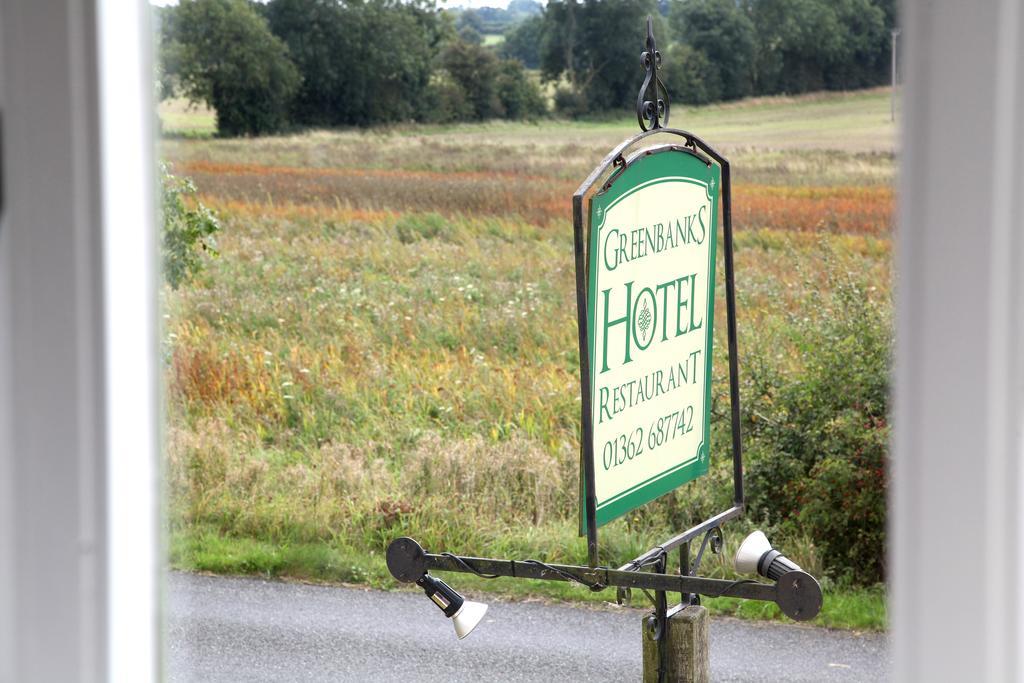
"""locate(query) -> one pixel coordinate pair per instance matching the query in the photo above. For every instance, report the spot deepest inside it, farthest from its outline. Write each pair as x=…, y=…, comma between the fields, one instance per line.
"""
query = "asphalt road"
x=222, y=629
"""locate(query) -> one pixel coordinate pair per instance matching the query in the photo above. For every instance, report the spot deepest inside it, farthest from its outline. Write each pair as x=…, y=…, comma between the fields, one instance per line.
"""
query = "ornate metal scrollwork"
x=716, y=540
x=652, y=102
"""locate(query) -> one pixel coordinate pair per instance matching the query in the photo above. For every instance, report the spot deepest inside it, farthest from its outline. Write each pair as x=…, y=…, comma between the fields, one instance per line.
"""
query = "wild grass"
x=851, y=122
x=817, y=139
x=864, y=209
x=387, y=346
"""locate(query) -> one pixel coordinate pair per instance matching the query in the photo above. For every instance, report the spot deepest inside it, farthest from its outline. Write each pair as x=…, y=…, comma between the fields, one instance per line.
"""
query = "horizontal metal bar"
x=605, y=577
x=685, y=537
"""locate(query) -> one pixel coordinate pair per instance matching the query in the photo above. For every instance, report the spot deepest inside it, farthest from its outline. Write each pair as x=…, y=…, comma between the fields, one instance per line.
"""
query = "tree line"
x=495, y=20
x=713, y=50
x=264, y=67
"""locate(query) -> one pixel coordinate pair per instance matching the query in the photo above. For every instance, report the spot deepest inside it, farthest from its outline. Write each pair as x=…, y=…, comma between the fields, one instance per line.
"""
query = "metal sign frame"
x=601, y=179
x=796, y=593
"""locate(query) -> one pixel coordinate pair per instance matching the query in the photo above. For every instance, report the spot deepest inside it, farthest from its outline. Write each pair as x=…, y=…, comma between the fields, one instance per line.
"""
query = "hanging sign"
x=650, y=293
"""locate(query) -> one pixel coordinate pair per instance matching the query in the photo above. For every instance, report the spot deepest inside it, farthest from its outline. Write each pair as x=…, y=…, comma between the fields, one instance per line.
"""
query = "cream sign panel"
x=651, y=301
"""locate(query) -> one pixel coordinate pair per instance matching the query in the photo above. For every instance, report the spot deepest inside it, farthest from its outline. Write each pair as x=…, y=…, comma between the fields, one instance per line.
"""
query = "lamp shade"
x=468, y=616
x=750, y=553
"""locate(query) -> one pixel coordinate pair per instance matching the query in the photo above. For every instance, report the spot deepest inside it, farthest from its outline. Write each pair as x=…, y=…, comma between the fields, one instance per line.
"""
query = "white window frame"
x=79, y=504
x=956, y=516
x=79, y=569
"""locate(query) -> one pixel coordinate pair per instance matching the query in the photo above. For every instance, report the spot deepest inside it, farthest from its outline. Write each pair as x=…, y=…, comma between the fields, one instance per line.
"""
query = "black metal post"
x=661, y=624
x=684, y=569
x=734, y=361
x=586, y=417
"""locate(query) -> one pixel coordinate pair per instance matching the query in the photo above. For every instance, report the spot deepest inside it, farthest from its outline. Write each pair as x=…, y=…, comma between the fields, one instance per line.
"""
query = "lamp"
x=757, y=556
x=408, y=563
x=798, y=593
x=465, y=614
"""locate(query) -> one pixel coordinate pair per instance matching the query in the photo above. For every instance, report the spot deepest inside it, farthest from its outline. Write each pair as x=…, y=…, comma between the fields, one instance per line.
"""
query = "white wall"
x=956, y=506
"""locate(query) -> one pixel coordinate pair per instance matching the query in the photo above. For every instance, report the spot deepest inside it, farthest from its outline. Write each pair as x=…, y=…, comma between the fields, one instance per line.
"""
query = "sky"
x=476, y=4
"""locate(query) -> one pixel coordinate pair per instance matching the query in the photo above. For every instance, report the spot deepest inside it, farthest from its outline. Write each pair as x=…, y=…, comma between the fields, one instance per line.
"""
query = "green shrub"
x=222, y=52
x=570, y=102
x=475, y=69
x=520, y=97
x=818, y=433
x=689, y=76
x=444, y=100
x=721, y=41
x=188, y=229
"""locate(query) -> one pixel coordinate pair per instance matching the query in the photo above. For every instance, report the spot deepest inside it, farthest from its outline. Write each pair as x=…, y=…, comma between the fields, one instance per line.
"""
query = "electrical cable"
x=596, y=586
x=634, y=565
x=730, y=587
x=465, y=565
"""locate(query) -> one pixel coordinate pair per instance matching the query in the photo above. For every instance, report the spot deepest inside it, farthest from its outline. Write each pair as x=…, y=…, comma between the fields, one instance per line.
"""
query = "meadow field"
x=386, y=344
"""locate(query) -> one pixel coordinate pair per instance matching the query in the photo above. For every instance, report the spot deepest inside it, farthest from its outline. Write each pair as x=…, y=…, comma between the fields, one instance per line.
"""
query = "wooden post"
x=687, y=643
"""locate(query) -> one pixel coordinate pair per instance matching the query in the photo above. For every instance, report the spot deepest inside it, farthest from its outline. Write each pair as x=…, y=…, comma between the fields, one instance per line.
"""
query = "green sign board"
x=650, y=295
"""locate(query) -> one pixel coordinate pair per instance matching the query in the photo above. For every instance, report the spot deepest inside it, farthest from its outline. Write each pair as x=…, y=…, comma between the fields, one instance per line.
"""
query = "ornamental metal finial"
x=652, y=102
